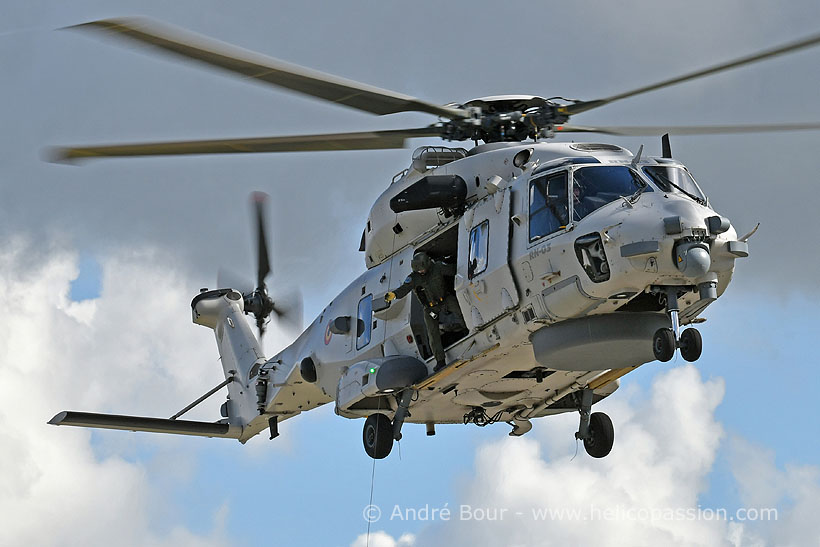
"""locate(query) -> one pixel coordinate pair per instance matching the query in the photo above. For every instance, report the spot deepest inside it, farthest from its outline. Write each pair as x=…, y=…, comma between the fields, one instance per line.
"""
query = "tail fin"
x=223, y=311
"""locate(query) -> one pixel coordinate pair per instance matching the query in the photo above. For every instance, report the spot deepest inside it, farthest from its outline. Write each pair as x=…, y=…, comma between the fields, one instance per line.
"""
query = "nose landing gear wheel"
x=663, y=344
x=601, y=435
x=691, y=344
x=377, y=436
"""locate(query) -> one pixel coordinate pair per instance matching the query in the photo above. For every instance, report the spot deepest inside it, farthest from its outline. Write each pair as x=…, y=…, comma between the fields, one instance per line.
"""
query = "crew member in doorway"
x=428, y=283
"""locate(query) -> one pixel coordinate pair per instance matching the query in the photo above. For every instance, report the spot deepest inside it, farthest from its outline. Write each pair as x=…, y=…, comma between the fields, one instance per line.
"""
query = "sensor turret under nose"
x=692, y=258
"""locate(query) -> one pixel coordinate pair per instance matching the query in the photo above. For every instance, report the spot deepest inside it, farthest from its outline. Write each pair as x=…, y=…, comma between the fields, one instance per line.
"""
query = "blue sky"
x=88, y=283
x=98, y=265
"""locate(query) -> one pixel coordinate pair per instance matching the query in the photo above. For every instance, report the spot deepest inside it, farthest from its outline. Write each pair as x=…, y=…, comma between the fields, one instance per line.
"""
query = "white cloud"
x=671, y=444
x=794, y=491
x=646, y=492
x=383, y=539
x=130, y=351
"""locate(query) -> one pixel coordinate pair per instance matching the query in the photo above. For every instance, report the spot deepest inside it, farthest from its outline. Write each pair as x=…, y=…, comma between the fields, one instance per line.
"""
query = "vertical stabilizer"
x=223, y=311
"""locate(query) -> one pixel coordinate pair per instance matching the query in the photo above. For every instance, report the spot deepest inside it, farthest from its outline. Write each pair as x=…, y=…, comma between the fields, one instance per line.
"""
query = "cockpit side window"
x=594, y=187
x=479, y=249
x=549, y=205
x=673, y=179
x=364, y=321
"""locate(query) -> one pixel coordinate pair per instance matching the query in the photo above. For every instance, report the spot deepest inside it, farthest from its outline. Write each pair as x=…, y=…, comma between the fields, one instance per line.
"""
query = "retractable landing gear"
x=690, y=344
x=378, y=436
x=379, y=432
x=595, y=429
x=665, y=341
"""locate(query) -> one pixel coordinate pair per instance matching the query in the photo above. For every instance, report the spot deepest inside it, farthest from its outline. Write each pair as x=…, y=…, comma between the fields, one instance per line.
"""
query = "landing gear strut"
x=595, y=429
x=666, y=340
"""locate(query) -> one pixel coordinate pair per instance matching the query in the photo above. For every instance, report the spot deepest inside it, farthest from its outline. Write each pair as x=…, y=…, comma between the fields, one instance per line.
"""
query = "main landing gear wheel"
x=594, y=429
x=663, y=344
x=691, y=344
x=377, y=436
x=601, y=435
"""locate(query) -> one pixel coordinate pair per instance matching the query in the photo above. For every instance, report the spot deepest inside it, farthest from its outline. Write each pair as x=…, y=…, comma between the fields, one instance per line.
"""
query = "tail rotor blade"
x=288, y=308
x=263, y=260
x=286, y=304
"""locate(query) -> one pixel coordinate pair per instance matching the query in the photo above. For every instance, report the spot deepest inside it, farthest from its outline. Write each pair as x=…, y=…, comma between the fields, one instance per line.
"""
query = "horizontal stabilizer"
x=141, y=423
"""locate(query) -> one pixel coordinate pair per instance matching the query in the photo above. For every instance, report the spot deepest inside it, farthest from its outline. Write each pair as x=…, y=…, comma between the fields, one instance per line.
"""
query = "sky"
x=98, y=264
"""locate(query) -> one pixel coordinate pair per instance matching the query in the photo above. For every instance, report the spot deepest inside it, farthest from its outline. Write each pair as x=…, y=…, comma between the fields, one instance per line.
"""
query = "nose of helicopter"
x=689, y=239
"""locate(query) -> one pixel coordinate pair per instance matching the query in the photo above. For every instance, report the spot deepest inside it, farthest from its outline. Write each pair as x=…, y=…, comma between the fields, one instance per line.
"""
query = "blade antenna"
x=666, y=146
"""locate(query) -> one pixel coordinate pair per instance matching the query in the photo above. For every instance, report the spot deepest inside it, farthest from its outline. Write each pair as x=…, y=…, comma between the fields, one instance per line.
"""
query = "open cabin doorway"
x=442, y=248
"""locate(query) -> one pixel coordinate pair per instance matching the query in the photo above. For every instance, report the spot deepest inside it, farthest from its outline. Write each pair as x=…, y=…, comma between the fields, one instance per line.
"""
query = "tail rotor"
x=287, y=306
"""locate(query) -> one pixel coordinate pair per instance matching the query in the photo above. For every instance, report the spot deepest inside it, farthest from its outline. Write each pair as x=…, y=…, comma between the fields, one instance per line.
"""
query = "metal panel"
x=492, y=292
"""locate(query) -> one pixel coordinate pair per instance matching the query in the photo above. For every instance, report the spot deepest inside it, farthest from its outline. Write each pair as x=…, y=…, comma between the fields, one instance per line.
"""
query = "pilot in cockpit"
x=580, y=206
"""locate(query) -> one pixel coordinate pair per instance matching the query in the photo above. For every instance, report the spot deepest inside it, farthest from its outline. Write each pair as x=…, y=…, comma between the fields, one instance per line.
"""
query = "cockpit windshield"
x=594, y=187
x=670, y=178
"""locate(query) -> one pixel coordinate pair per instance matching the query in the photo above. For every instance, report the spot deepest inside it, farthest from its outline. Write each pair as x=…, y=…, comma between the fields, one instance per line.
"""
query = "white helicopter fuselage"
x=549, y=311
x=574, y=263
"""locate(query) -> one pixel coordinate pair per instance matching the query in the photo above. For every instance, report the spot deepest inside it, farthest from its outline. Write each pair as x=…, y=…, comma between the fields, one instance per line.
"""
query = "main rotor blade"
x=273, y=71
x=583, y=106
x=647, y=130
x=259, y=201
x=365, y=140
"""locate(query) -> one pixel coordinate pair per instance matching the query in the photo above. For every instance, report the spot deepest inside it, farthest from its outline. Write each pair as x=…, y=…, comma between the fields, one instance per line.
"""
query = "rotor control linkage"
x=402, y=412
x=211, y=392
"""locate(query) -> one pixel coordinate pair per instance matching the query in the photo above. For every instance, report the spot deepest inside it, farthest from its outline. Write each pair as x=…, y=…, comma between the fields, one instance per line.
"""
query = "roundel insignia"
x=328, y=334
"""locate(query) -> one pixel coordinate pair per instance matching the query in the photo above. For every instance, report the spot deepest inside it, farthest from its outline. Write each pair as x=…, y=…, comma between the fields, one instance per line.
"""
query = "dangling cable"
x=372, y=482
x=370, y=505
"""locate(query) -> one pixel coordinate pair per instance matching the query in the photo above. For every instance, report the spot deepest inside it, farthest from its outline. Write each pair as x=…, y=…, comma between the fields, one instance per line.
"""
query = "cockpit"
x=594, y=187
x=559, y=198
x=553, y=206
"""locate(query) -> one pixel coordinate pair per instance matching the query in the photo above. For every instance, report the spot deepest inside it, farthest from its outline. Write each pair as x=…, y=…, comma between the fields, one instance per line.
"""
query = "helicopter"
x=573, y=263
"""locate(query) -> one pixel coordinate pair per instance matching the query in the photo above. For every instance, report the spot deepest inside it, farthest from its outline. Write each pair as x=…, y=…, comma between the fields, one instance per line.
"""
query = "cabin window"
x=594, y=187
x=479, y=249
x=675, y=180
x=549, y=205
x=364, y=323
